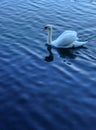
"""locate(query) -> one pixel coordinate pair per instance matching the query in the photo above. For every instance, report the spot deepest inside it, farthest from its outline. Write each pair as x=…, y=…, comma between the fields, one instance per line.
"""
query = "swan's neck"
x=49, y=40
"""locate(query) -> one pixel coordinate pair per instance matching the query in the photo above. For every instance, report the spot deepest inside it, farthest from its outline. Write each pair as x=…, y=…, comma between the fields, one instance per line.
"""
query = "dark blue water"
x=43, y=88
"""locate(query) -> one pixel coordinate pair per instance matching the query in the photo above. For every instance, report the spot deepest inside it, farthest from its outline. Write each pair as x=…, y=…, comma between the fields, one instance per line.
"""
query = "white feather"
x=67, y=39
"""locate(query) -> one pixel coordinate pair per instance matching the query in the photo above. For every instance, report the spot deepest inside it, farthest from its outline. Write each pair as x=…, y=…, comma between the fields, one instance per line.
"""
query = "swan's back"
x=66, y=38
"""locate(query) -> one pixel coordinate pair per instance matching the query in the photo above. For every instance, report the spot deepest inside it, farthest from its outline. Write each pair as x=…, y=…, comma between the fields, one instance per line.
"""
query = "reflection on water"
x=50, y=57
x=70, y=53
x=67, y=53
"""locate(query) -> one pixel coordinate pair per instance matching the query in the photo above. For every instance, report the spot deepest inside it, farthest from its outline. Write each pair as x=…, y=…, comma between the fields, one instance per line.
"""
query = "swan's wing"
x=69, y=33
x=66, y=38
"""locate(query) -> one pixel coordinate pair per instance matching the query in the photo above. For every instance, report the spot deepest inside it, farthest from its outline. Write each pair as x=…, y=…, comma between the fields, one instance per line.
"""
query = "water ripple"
x=42, y=87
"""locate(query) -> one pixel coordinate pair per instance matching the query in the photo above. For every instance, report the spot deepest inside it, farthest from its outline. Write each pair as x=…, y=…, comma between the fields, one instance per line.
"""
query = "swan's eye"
x=45, y=28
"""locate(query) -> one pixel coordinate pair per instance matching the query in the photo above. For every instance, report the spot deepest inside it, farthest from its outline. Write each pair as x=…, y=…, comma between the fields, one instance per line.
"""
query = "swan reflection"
x=66, y=54
x=49, y=58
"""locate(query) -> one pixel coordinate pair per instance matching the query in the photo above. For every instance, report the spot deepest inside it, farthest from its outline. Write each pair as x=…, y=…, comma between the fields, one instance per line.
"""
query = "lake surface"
x=41, y=87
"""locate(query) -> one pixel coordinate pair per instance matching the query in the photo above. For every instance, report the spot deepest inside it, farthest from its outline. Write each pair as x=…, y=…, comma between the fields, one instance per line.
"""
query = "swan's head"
x=48, y=27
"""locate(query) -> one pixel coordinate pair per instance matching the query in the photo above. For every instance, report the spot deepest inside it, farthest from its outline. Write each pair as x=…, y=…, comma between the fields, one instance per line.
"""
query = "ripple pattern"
x=44, y=88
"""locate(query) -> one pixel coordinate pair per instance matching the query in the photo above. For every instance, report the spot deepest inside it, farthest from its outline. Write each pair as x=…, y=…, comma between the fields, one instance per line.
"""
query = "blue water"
x=44, y=88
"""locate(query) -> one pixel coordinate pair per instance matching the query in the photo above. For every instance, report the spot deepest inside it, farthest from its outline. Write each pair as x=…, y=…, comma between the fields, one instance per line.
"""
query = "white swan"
x=67, y=39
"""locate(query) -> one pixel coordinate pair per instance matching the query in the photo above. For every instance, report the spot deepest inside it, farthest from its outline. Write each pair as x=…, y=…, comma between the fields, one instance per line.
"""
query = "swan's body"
x=67, y=39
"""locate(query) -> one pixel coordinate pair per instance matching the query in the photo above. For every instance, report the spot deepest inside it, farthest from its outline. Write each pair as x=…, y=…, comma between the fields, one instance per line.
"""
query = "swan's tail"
x=79, y=43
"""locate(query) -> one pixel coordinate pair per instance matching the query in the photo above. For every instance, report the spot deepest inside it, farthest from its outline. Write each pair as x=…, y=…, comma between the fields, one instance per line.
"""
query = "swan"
x=67, y=39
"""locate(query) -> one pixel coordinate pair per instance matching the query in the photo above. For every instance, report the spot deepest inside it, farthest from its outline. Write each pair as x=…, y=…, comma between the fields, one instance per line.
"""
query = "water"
x=43, y=88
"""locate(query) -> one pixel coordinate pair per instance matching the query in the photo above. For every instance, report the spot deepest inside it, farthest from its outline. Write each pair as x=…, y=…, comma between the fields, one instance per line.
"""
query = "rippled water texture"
x=43, y=88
